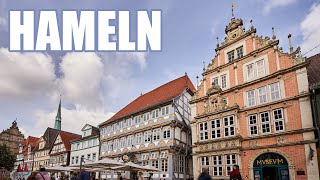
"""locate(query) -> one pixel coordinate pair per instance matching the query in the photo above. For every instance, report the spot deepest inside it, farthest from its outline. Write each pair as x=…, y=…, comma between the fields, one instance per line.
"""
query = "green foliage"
x=7, y=158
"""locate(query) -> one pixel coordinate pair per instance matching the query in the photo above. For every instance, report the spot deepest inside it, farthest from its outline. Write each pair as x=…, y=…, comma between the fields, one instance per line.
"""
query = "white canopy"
x=58, y=168
x=103, y=163
x=151, y=168
x=132, y=166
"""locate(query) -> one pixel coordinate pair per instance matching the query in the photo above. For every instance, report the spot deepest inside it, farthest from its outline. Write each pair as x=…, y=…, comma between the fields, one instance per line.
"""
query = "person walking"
x=43, y=174
x=204, y=175
x=235, y=173
x=74, y=176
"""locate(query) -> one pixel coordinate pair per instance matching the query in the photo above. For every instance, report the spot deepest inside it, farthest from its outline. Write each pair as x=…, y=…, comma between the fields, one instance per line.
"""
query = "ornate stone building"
x=154, y=129
x=252, y=109
x=12, y=137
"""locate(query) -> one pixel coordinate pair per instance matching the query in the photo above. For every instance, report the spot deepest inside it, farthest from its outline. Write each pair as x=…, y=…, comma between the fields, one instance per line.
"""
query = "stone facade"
x=12, y=137
x=252, y=109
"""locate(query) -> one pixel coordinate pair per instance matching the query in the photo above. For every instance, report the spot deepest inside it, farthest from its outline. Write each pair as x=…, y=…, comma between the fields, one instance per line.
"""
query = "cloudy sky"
x=96, y=85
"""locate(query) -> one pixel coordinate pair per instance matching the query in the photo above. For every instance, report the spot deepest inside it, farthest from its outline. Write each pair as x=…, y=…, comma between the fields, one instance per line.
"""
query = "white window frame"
x=251, y=101
x=216, y=129
x=265, y=124
x=205, y=162
x=204, y=132
x=166, y=132
x=230, y=54
x=217, y=165
x=253, y=124
x=230, y=126
x=139, y=138
x=223, y=81
x=164, y=165
x=232, y=161
x=277, y=120
x=263, y=94
x=156, y=134
x=147, y=136
x=278, y=91
x=237, y=50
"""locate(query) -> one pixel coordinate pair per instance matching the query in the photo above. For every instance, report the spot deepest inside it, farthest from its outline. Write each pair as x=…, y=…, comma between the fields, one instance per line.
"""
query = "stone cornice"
x=234, y=88
x=298, y=131
x=281, y=145
x=217, y=140
x=214, y=113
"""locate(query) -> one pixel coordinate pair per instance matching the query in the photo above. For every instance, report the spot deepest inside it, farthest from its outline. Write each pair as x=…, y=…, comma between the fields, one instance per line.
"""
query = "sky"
x=93, y=86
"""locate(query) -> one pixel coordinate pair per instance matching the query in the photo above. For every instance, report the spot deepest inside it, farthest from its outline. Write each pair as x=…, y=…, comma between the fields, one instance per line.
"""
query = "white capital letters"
x=104, y=31
x=124, y=32
x=146, y=30
x=17, y=29
x=77, y=30
x=48, y=23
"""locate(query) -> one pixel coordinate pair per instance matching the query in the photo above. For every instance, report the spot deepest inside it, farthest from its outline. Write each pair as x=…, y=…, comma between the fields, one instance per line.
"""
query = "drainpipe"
x=315, y=114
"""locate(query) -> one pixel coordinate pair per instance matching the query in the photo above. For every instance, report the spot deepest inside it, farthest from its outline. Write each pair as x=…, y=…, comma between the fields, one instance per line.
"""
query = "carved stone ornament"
x=233, y=30
x=253, y=143
x=280, y=139
x=214, y=102
x=296, y=57
x=264, y=41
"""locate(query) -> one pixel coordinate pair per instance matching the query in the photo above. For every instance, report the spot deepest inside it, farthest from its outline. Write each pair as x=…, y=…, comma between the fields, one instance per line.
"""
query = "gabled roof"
x=93, y=127
x=314, y=71
x=95, y=132
x=49, y=136
x=67, y=137
x=157, y=96
x=30, y=141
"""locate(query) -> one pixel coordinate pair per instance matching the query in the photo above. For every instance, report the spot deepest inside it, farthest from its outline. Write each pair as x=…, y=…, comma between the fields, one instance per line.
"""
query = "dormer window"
x=240, y=52
x=231, y=56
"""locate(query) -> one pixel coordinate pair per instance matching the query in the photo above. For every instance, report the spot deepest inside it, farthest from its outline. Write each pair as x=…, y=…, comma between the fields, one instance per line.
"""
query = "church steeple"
x=57, y=124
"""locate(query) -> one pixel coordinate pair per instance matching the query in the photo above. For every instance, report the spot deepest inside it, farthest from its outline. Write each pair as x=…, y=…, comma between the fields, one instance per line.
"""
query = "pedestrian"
x=235, y=173
x=140, y=174
x=43, y=174
x=74, y=176
x=204, y=175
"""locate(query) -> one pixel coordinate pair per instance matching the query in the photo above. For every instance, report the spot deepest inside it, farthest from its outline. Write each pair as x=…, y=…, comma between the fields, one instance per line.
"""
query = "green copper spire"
x=57, y=124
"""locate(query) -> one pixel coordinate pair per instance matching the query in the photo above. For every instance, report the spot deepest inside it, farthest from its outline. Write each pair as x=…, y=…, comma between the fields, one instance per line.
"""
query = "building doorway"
x=270, y=166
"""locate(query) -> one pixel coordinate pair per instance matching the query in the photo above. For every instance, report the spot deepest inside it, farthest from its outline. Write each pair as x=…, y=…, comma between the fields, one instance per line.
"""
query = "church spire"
x=57, y=124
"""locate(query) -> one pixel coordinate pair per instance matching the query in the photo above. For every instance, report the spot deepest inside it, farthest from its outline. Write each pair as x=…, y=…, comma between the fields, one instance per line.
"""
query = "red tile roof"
x=314, y=71
x=33, y=141
x=159, y=95
x=67, y=137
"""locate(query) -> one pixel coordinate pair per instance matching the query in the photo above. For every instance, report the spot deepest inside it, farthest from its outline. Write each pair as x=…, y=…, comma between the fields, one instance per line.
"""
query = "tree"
x=7, y=158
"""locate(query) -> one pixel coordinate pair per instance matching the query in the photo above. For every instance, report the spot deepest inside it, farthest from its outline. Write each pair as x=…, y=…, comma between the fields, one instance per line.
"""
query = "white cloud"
x=81, y=80
x=310, y=28
x=139, y=57
x=271, y=4
x=73, y=120
x=119, y=72
x=87, y=80
x=25, y=75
